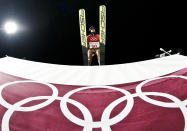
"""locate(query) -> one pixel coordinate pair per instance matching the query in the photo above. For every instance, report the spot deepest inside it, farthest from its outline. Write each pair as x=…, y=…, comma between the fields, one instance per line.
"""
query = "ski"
x=102, y=24
x=102, y=32
x=83, y=35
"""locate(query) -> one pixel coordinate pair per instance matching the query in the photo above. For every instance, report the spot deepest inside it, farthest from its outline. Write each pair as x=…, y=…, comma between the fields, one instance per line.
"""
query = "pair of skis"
x=102, y=33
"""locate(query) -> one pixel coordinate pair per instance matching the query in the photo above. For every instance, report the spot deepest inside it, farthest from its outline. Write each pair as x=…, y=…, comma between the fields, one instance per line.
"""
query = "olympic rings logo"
x=88, y=124
x=93, y=39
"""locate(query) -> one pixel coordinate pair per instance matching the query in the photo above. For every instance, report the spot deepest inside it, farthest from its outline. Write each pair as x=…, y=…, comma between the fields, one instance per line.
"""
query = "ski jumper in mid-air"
x=93, y=45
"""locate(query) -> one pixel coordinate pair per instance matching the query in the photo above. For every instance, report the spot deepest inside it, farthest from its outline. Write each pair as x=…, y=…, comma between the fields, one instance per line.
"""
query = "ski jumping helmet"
x=91, y=28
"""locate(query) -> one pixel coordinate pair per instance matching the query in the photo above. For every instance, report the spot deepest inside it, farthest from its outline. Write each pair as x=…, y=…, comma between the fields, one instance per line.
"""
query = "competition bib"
x=94, y=44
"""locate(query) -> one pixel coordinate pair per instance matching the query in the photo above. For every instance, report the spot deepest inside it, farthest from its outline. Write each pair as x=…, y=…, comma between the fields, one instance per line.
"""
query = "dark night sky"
x=136, y=29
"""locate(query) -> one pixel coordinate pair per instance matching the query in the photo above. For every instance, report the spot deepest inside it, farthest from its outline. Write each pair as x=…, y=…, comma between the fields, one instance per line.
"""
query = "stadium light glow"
x=10, y=27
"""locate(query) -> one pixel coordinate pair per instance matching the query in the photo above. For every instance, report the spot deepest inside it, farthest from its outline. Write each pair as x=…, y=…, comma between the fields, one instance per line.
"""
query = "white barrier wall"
x=92, y=75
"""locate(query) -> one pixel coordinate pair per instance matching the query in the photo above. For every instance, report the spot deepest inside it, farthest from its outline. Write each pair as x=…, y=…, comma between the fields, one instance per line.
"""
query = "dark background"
x=136, y=29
